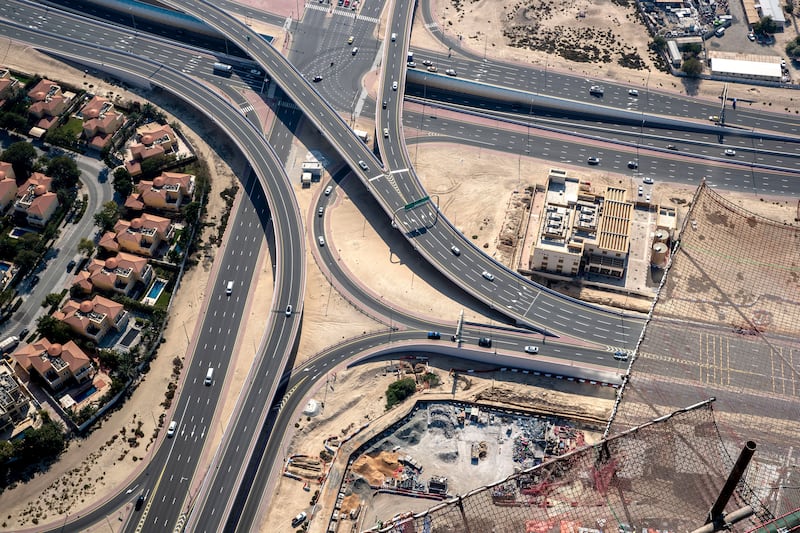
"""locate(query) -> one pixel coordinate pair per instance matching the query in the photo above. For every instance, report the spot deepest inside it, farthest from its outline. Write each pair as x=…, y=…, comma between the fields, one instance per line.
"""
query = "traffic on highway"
x=322, y=77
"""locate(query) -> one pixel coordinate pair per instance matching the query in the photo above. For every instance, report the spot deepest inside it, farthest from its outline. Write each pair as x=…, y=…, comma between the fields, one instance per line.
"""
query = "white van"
x=328, y=190
x=209, y=376
x=394, y=37
x=229, y=288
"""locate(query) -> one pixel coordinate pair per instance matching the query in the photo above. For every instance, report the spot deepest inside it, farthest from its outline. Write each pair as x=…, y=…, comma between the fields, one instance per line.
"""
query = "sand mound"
x=376, y=468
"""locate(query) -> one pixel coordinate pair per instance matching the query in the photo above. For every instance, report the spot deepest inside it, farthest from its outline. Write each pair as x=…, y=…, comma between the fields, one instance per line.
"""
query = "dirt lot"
x=101, y=462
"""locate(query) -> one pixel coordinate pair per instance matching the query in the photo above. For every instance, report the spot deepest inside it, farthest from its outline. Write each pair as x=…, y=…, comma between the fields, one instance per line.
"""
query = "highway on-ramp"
x=217, y=338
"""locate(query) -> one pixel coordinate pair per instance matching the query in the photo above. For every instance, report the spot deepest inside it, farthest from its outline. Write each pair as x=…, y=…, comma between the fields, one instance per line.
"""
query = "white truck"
x=222, y=68
x=361, y=134
x=8, y=344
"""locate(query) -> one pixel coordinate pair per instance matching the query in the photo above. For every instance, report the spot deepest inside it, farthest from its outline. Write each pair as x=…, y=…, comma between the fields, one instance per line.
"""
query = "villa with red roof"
x=55, y=363
x=8, y=84
x=168, y=191
x=118, y=274
x=93, y=318
x=36, y=199
x=151, y=140
x=143, y=235
x=48, y=103
x=100, y=121
x=8, y=186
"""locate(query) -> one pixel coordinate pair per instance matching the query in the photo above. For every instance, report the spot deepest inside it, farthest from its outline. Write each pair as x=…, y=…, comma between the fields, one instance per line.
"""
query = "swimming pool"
x=4, y=267
x=85, y=394
x=17, y=232
x=155, y=292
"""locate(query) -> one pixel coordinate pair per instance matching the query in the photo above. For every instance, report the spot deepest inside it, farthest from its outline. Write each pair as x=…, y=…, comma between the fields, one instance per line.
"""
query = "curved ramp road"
x=396, y=188
x=197, y=402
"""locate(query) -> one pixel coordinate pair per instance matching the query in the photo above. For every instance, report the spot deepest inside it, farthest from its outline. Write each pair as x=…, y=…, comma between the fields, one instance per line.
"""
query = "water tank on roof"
x=659, y=255
x=661, y=236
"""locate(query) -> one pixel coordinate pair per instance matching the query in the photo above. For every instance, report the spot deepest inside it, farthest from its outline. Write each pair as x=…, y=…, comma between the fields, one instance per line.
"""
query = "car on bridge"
x=456, y=251
x=432, y=68
x=531, y=349
x=633, y=165
x=485, y=342
x=648, y=180
x=730, y=152
x=593, y=160
x=450, y=72
x=488, y=275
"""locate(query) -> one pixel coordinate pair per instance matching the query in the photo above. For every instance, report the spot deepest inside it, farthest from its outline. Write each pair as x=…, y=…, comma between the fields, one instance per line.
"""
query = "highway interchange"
x=508, y=292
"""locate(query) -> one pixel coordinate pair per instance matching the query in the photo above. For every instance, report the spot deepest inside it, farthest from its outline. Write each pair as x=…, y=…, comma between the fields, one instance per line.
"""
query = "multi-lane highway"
x=425, y=228
x=174, y=465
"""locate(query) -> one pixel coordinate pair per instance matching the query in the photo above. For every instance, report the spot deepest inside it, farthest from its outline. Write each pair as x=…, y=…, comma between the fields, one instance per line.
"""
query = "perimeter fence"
x=726, y=325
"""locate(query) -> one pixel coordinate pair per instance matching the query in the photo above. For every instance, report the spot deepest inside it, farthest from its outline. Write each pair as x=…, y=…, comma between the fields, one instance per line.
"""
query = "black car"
x=485, y=342
x=384, y=104
x=23, y=333
x=35, y=281
x=633, y=164
x=317, y=78
x=71, y=265
x=139, y=501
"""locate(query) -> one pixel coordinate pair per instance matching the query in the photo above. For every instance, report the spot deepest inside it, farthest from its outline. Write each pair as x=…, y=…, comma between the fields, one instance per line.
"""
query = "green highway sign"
x=416, y=203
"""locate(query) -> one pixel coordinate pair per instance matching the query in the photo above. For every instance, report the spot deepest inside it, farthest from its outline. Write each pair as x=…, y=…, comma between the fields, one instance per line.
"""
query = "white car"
x=730, y=152
x=648, y=180
x=321, y=240
x=394, y=85
x=633, y=92
x=171, y=429
x=450, y=72
x=647, y=198
x=641, y=190
x=255, y=72
x=288, y=310
x=385, y=133
x=487, y=275
x=531, y=349
x=619, y=355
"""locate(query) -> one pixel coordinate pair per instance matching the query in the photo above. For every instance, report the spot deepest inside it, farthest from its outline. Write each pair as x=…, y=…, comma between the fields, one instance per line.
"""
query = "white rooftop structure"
x=756, y=70
x=772, y=8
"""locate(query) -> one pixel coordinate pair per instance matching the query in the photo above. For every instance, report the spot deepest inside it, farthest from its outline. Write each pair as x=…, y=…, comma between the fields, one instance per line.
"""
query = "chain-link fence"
x=662, y=475
x=726, y=325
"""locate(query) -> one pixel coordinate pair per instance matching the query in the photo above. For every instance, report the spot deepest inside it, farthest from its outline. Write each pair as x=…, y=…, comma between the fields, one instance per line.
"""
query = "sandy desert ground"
x=99, y=464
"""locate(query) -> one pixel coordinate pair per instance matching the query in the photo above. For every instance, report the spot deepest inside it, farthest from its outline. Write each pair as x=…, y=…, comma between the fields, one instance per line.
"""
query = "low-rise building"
x=746, y=66
x=143, y=235
x=93, y=318
x=36, y=199
x=48, y=102
x=151, y=140
x=14, y=400
x=8, y=85
x=581, y=231
x=100, y=121
x=8, y=186
x=56, y=364
x=118, y=274
x=168, y=191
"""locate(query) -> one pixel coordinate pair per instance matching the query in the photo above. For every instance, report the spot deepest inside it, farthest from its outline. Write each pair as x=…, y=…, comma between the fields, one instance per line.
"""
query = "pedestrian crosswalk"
x=342, y=12
x=246, y=109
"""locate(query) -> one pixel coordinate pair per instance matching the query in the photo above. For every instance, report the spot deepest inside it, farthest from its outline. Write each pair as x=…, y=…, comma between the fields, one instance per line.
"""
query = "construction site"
x=442, y=449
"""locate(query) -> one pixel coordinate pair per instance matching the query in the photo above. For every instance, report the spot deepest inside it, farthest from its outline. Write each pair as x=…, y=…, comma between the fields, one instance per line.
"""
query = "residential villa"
x=36, y=200
x=100, y=121
x=143, y=235
x=55, y=363
x=8, y=186
x=116, y=274
x=48, y=103
x=152, y=139
x=93, y=318
x=168, y=192
x=14, y=400
x=8, y=84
